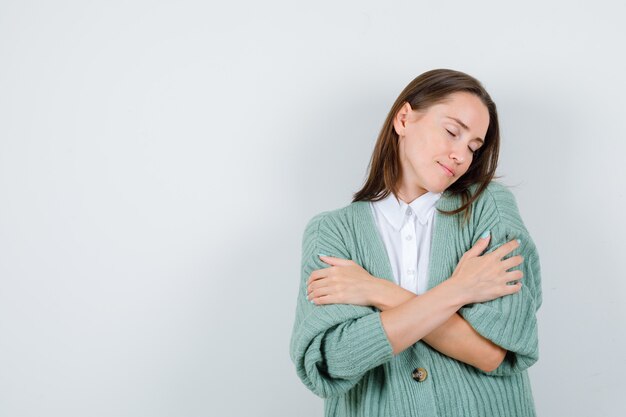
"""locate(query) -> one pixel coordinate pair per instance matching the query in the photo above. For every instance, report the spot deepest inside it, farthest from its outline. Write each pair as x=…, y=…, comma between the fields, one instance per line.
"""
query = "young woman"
x=411, y=299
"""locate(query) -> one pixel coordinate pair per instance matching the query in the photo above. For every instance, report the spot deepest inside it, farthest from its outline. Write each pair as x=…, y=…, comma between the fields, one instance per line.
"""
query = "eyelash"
x=471, y=150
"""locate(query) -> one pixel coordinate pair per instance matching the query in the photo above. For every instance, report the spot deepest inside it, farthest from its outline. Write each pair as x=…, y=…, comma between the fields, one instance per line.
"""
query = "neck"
x=408, y=194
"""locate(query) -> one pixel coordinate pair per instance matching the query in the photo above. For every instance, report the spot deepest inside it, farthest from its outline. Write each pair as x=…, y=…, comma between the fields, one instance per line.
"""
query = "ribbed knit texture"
x=342, y=354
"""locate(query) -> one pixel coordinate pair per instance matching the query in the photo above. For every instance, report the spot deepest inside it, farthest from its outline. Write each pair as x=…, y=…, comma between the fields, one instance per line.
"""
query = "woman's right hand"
x=485, y=277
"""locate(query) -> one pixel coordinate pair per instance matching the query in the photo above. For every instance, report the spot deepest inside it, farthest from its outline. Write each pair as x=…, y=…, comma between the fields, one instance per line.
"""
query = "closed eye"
x=453, y=135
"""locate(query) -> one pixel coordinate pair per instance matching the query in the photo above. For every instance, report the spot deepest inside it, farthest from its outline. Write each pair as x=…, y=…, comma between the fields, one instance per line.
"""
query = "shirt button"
x=408, y=211
x=419, y=374
x=409, y=237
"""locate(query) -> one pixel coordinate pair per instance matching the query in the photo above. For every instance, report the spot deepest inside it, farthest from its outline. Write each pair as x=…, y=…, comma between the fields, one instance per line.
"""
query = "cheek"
x=466, y=168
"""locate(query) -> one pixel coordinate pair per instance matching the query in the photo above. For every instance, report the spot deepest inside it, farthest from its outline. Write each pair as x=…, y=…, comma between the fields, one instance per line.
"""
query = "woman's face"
x=432, y=140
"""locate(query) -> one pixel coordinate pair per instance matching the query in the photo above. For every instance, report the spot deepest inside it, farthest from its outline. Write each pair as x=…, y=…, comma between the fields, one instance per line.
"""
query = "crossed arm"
x=455, y=338
x=334, y=346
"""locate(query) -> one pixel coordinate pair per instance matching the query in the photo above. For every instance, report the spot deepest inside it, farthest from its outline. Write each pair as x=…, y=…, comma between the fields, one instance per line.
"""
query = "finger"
x=317, y=274
x=319, y=292
x=326, y=299
x=511, y=262
x=331, y=260
x=479, y=246
x=320, y=283
x=512, y=277
x=512, y=289
x=506, y=248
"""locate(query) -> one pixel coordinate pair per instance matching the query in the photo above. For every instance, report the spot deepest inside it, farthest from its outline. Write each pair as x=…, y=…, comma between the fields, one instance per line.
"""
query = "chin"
x=440, y=188
x=436, y=188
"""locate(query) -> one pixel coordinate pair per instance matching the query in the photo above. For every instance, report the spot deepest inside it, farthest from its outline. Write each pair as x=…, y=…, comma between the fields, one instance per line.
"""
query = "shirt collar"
x=395, y=210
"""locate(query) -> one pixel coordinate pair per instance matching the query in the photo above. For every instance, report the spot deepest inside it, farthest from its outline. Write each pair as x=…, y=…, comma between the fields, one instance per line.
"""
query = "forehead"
x=466, y=107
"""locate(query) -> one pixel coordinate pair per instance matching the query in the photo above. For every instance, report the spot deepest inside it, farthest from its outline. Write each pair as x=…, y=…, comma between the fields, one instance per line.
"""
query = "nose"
x=457, y=156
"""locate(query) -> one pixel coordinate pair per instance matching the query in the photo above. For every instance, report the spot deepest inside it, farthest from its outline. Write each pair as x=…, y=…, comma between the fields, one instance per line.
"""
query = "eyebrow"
x=464, y=126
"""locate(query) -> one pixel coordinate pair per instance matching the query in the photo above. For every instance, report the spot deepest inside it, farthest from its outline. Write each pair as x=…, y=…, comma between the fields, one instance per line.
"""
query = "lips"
x=449, y=171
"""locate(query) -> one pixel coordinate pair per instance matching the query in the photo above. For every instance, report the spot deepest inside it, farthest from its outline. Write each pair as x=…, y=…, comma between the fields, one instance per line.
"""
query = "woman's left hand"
x=344, y=282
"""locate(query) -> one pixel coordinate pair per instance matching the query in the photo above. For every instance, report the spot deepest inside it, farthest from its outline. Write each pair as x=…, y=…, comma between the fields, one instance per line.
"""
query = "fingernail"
x=519, y=241
x=321, y=254
x=484, y=235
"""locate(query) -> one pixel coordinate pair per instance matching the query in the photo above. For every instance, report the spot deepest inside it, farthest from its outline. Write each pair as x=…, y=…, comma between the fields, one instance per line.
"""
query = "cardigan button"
x=419, y=374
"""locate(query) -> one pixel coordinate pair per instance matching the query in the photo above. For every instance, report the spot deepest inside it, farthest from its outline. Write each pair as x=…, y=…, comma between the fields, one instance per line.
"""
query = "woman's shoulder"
x=497, y=197
x=500, y=194
x=336, y=219
x=497, y=206
x=330, y=214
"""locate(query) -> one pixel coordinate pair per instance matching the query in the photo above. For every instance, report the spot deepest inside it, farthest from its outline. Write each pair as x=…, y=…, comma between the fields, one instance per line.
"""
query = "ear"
x=399, y=120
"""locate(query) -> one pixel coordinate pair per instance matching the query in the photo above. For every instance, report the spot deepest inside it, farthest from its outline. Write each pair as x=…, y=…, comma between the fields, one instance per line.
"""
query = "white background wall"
x=160, y=159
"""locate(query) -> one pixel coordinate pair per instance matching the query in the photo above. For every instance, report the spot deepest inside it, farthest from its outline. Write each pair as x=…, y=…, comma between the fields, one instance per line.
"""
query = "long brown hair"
x=430, y=88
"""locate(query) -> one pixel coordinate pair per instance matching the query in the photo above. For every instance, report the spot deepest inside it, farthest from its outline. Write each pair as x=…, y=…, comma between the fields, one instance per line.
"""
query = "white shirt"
x=406, y=230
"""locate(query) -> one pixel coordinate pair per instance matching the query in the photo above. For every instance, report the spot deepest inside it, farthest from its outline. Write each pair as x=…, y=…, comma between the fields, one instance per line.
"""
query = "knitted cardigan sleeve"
x=510, y=321
x=333, y=346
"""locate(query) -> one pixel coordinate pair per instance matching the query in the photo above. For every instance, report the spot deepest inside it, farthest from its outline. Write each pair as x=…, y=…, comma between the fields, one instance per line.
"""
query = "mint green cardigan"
x=342, y=354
